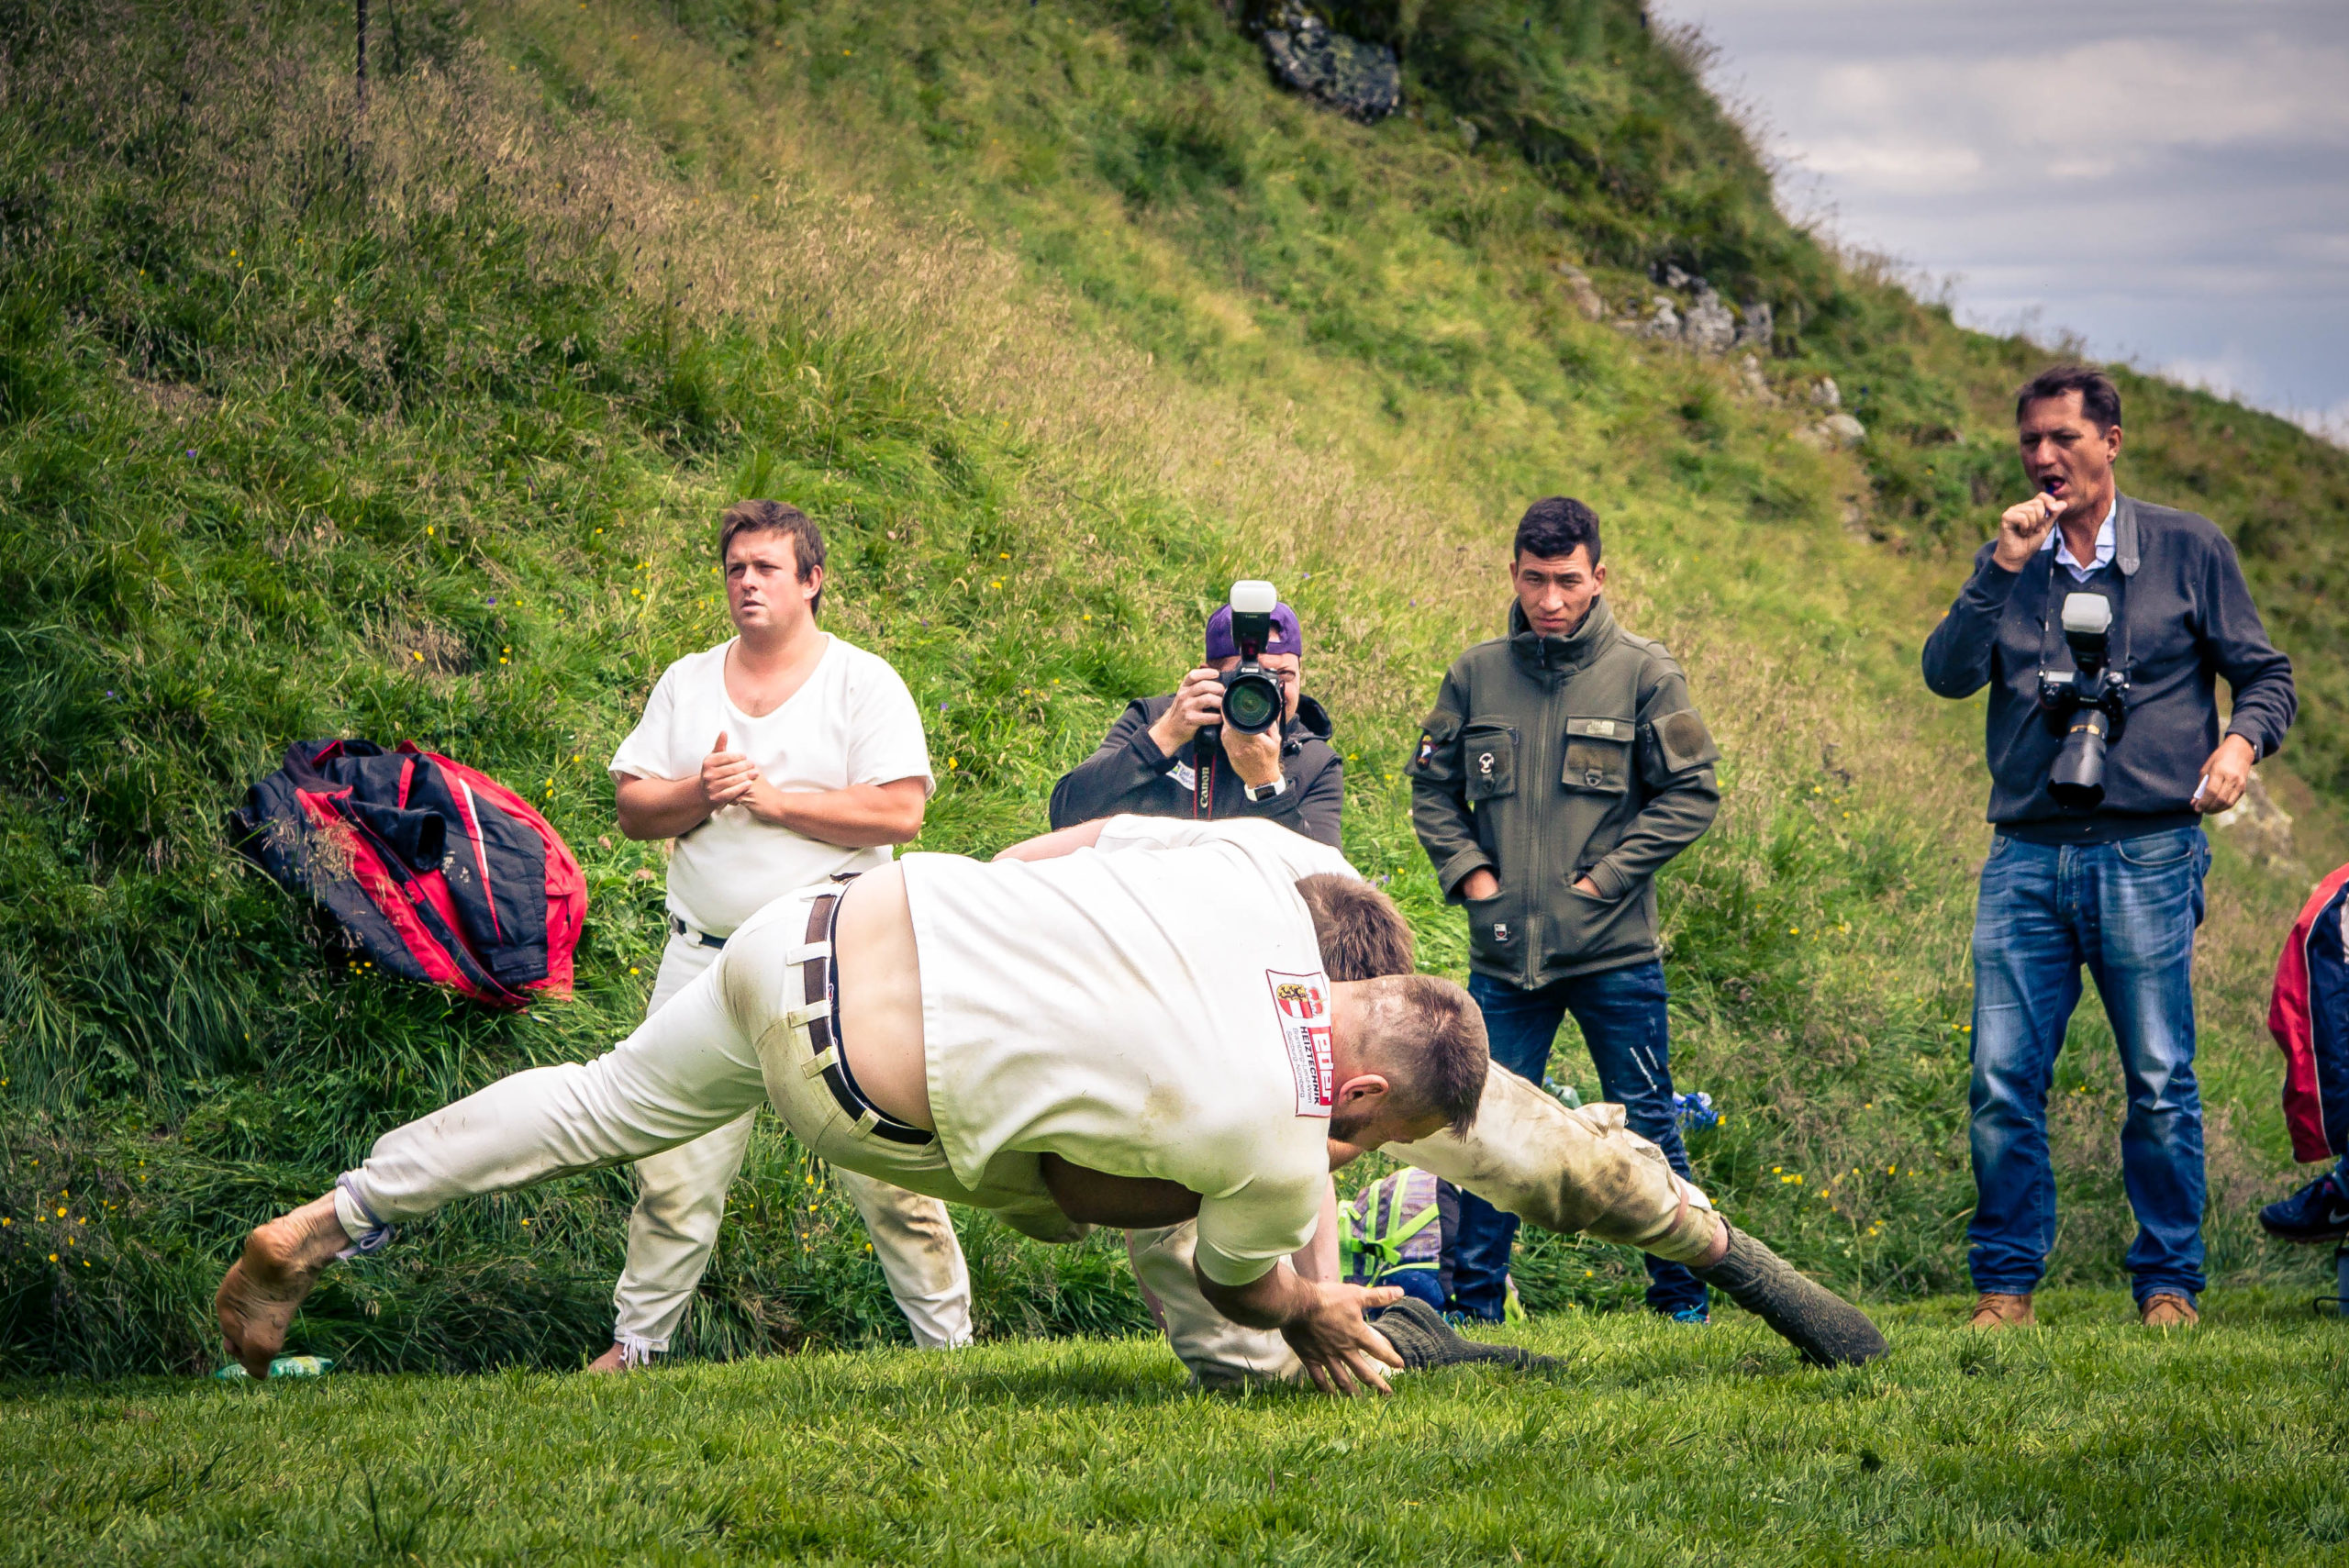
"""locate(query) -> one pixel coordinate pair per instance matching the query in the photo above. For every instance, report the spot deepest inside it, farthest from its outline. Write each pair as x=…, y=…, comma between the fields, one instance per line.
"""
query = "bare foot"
x=283, y=1260
x=613, y=1360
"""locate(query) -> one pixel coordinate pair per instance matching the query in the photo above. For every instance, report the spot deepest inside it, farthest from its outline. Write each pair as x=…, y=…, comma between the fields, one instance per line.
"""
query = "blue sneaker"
x=1693, y=1317
x=2318, y=1212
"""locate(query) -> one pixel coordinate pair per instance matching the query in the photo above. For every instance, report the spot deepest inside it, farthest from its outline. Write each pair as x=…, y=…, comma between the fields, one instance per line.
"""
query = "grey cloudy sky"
x=2169, y=180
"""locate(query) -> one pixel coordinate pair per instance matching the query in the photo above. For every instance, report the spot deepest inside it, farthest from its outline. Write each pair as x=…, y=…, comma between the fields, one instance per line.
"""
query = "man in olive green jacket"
x=1561, y=766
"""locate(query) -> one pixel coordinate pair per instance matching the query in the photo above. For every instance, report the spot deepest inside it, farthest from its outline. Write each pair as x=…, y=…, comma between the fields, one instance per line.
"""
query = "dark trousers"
x=1625, y=1023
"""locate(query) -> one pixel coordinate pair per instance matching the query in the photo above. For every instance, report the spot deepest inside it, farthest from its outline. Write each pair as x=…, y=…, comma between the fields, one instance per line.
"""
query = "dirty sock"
x=1829, y=1330
x=1423, y=1339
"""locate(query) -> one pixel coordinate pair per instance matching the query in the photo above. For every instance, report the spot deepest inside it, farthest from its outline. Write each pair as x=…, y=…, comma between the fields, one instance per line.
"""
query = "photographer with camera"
x=1273, y=762
x=2101, y=624
x=1266, y=744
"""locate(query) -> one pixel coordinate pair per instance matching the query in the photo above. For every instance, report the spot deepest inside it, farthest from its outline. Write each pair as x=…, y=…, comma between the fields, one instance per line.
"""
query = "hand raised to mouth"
x=2023, y=525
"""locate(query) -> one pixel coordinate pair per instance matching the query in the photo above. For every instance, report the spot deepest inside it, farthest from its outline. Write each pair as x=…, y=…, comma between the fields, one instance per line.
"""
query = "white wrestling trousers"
x=735, y=1036
x=681, y=1199
x=727, y=1041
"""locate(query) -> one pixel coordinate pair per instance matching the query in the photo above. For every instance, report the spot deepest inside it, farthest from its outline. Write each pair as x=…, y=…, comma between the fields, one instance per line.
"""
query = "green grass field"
x=1058, y=318
x=2087, y=1441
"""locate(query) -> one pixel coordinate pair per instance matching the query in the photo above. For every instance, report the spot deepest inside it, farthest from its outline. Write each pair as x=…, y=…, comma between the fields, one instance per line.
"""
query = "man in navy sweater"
x=2117, y=887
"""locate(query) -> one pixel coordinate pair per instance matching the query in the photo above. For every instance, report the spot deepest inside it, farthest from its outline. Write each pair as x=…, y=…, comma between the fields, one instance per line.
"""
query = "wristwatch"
x=1271, y=791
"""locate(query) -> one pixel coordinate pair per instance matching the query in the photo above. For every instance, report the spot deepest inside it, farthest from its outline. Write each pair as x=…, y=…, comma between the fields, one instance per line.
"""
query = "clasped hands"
x=728, y=778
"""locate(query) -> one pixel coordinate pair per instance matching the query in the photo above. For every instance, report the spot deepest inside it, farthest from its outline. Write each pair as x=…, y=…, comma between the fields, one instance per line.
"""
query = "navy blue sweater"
x=2183, y=618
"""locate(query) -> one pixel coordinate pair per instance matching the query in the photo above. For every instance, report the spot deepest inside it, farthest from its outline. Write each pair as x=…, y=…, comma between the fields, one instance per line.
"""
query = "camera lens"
x=2076, y=781
x=1252, y=702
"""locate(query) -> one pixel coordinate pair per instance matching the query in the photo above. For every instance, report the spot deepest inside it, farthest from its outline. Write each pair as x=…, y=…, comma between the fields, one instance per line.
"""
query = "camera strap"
x=2121, y=572
x=1203, y=777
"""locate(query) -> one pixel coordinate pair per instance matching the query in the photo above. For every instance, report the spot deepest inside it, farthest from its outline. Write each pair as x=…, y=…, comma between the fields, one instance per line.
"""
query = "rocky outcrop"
x=1704, y=322
x=1842, y=430
x=1357, y=79
x=1837, y=431
x=1709, y=327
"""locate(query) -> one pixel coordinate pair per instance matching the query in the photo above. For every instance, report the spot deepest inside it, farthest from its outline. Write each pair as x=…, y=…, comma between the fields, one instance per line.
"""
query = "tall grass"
x=415, y=423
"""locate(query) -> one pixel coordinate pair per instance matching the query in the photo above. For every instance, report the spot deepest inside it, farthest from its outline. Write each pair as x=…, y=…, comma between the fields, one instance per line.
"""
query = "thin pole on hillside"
x=363, y=55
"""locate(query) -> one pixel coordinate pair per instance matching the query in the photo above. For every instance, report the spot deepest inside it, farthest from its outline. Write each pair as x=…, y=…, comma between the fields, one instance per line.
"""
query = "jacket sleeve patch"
x=1432, y=757
x=1682, y=744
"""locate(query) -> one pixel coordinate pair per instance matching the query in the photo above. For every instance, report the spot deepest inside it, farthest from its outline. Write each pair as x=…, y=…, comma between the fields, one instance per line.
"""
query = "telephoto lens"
x=2097, y=703
x=2076, y=781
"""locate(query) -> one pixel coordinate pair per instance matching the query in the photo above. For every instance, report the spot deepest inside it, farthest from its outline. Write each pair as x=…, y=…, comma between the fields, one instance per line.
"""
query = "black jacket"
x=1130, y=774
x=2183, y=618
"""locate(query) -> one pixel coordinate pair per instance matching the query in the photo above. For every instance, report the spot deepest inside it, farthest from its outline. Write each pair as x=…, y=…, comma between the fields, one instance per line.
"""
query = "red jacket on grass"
x=439, y=871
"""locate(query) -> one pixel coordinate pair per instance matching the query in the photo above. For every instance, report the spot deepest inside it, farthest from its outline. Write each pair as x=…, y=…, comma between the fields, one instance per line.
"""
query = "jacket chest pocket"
x=1489, y=761
x=1599, y=755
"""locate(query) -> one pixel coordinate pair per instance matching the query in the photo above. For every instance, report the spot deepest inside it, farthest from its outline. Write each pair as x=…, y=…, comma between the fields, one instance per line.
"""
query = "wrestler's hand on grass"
x=1322, y=1323
x=1336, y=1346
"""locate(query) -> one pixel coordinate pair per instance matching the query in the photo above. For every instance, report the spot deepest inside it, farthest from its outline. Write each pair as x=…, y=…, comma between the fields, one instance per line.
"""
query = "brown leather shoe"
x=2167, y=1311
x=1994, y=1310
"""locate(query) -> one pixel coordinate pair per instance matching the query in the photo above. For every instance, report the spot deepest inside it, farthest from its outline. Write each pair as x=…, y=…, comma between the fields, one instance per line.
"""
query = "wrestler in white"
x=1159, y=1015
x=1143, y=1016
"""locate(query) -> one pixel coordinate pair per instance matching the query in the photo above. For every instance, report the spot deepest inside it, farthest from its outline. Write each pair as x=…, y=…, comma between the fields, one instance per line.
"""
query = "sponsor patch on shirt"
x=1427, y=749
x=1302, y=1002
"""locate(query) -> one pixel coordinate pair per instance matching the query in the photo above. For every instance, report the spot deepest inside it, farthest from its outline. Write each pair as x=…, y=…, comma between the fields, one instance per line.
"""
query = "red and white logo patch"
x=1302, y=1003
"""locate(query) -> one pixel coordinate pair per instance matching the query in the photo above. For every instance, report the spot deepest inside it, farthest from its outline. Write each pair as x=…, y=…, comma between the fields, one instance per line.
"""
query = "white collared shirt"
x=2055, y=541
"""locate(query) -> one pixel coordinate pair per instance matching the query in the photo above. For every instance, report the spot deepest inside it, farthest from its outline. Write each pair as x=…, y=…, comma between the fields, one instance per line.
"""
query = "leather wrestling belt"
x=817, y=991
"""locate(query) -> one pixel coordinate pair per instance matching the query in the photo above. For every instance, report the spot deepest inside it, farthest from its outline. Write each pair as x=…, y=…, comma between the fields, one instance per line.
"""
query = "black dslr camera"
x=2088, y=707
x=1252, y=694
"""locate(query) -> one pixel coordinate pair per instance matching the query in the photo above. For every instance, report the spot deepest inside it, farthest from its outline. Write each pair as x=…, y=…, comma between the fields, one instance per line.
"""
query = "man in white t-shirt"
x=777, y=759
x=999, y=1032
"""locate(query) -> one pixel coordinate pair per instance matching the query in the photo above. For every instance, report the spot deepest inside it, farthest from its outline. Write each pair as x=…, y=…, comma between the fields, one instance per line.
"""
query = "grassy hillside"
x=417, y=424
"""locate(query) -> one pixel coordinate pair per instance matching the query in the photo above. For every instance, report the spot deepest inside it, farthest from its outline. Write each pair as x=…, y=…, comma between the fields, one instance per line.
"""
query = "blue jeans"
x=1628, y=1030
x=1421, y=1284
x=2127, y=910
